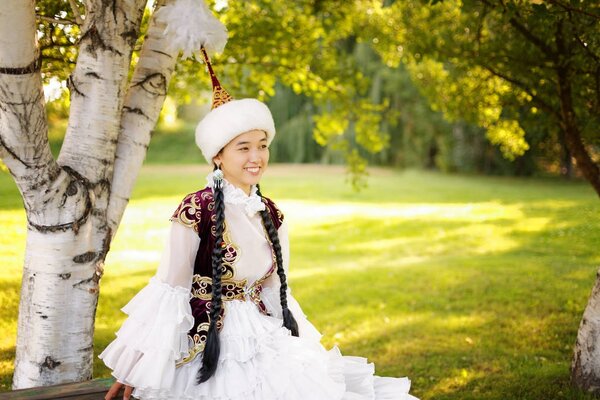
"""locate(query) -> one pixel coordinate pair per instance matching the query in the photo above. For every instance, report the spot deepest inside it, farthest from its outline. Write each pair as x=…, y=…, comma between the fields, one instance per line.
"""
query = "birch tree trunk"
x=74, y=205
x=585, y=367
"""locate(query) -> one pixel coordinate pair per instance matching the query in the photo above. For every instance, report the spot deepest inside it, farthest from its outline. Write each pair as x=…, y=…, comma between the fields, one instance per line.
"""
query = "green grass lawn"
x=472, y=286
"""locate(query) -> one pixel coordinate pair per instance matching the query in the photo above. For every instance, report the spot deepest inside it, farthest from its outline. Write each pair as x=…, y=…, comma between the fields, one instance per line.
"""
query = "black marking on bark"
x=49, y=363
x=73, y=87
x=76, y=176
x=139, y=144
x=93, y=75
x=155, y=84
x=86, y=349
x=98, y=272
x=162, y=52
x=85, y=257
x=13, y=153
x=34, y=66
x=83, y=282
x=105, y=244
x=76, y=227
x=130, y=36
x=65, y=276
x=135, y=110
x=71, y=189
x=114, y=10
x=23, y=103
x=103, y=184
x=96, y=41
x=43, y=316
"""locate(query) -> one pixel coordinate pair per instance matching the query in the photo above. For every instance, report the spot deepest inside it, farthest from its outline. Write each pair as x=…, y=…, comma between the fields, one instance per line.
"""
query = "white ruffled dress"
x=259, y=359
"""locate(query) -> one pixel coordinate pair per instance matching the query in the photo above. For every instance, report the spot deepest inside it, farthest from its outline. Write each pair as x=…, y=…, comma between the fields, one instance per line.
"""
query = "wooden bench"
x=94, y=389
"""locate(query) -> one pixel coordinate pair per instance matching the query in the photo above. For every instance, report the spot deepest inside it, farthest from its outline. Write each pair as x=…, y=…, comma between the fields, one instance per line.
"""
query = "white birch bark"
x=144, y=100
x=585, y=367
x=67, y=202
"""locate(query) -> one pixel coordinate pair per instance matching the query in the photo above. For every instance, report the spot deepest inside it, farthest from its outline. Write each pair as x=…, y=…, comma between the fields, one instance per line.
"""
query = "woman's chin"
x=252, y=179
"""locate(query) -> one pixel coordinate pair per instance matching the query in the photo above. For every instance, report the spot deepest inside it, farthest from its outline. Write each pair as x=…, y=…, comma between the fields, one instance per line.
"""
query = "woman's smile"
x=244, y=159
x=253, y=170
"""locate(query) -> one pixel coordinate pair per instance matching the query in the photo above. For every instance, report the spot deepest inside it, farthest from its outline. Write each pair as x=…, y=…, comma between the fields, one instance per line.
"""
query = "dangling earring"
x=218, y=177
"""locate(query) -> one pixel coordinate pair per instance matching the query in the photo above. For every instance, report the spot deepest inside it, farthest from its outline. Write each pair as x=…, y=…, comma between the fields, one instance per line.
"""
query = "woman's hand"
x=114, y=390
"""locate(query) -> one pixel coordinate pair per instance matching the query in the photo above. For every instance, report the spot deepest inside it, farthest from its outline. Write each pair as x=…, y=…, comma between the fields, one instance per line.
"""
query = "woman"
x=218, y=320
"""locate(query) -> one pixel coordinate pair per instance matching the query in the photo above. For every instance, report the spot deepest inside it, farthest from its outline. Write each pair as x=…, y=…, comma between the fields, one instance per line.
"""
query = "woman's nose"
x=254, y=155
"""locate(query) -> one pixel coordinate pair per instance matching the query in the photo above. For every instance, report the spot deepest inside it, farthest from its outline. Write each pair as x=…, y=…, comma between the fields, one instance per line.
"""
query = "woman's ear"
x=217, y=160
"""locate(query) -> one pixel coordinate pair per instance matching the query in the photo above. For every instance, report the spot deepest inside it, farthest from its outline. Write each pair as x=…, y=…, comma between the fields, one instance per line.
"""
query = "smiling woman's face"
x=244, y=159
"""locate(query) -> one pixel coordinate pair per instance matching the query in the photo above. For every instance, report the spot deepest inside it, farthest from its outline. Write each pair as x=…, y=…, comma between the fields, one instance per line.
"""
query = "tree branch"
x=539, y=43
x=100, y=77
x=76, y=12
x=527, y=33
x=23, y=127
x=585, y=46
x=54, y=20
x=573, y=9
x=144, y=99
x=543, y=104
x=569, y=120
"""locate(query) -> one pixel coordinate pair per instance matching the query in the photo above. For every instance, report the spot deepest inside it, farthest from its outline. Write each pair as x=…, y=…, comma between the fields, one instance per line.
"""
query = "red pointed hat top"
x=220, y=95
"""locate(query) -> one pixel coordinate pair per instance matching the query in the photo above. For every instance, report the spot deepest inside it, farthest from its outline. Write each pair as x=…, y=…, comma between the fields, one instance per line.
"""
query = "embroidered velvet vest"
x=197, y=211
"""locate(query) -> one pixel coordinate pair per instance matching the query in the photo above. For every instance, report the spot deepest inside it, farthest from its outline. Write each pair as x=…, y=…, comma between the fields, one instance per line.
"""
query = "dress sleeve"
x=154, y=335
x=271, y=287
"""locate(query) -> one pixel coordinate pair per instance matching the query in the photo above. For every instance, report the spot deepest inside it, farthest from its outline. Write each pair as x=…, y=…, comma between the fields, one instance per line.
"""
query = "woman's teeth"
x=253, y=169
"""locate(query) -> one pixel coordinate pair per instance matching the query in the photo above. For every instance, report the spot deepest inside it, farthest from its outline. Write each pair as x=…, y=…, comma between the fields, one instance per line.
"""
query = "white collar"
x=234, y=195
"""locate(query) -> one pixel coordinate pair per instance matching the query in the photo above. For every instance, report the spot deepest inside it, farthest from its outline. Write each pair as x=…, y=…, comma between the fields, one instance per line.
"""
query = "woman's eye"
x=243, y=149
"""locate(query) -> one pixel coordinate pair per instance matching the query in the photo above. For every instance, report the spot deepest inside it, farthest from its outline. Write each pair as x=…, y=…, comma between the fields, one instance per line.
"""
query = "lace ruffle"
x=153, y=337
x=233, y=195
x=260, y=360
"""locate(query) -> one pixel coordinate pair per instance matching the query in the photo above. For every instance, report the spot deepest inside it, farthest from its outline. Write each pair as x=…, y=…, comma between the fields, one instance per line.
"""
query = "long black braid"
x=288, y=318
x=212, y=349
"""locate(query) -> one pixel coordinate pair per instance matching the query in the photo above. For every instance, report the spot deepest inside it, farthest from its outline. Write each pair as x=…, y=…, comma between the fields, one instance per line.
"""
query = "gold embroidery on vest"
x=188, y=214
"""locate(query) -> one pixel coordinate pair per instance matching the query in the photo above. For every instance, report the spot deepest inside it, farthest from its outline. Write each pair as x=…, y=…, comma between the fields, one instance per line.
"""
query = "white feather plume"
x=190, y=25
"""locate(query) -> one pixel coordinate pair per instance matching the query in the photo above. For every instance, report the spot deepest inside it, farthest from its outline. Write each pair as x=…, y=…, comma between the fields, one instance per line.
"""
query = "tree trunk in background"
x=566, y=163
x=570, y=127
x=74, y=205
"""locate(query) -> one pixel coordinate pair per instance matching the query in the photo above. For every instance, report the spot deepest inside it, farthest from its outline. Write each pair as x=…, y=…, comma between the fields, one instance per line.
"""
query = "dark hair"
x=212, y=348
x=288, y=318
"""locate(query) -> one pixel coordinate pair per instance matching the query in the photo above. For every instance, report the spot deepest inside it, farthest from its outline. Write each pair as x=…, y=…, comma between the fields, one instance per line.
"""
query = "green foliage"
x=496, y=64
x=57, y=40
x=353, y=67
x=473, y=287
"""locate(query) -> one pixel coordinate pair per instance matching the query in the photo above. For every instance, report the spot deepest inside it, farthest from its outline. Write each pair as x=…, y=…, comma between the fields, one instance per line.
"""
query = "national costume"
x=160, y=348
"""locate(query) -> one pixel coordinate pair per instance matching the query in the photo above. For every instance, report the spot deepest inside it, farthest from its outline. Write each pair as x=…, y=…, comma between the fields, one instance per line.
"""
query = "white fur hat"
x=191, y=26
x=225, y=122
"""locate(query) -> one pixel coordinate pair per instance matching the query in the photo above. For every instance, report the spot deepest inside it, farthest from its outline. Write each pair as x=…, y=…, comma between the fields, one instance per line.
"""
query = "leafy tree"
x=510, y=67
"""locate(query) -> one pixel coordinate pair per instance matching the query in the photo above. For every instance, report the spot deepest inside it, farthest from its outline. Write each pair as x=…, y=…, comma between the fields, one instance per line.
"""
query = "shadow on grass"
x=463, y=322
